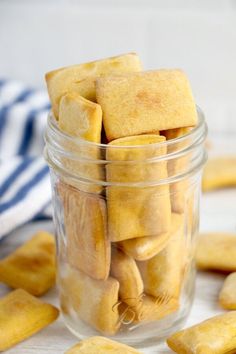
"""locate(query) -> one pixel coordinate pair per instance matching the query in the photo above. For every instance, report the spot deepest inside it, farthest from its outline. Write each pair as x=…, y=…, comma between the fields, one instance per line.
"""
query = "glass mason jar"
x=126, y=219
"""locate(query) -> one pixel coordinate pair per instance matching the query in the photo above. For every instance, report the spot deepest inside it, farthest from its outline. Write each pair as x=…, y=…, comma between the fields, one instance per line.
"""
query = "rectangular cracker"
x=81, y=118
x=137, y=211
x=145, y=102
x=216, y=251
x=81, y=78
x=144, y=248
x=94, y=301
x=32, y=265
x=125, y=270
x=162, y=275
x=219, y=172
x=85, y=219
x=22, y=315
x=178, y=190
x=147, y=309
x=101, y=345
x=216, y=335
x=227, y=296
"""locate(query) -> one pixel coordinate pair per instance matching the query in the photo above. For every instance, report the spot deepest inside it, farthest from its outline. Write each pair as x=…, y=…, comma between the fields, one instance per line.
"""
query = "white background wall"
x=196, y=35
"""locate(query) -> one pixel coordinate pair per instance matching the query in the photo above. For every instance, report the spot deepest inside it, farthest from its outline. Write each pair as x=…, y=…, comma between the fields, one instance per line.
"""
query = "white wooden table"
x=218, y=213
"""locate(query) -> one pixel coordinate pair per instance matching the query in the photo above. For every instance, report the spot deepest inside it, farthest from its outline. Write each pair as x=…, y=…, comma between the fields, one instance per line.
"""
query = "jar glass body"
x=126, y=222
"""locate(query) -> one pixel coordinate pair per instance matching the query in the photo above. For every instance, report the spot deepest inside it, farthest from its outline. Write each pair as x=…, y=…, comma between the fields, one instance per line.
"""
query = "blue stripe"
x=40, y=214
x=41, y=217
x=21, y=194
x=15, y=174
x=28, y=130
x=3, y=116
x=4, y=110
x=23, y=96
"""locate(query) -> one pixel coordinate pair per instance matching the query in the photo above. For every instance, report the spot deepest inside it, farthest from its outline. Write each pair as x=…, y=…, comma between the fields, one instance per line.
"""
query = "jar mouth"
x=199, y=129
x=75, y=157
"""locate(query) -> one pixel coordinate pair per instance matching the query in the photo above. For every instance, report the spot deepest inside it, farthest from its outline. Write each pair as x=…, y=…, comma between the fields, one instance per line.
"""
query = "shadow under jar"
x=126, y=219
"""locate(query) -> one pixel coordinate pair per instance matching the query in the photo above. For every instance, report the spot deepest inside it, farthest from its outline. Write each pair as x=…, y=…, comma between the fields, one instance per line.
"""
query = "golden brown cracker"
x=32, y=265
x=101, y=345
x=21, y=316
x=125, y=270
x=145, y=102
x=82, y=119
x=219, y=172
x=79, y=117
x=178, y=165
x=85, y=218
x=216, y=335
x=81, y=78
x=216, y=251
x=137, y=211
x=162, y=275
x=93, y=300
x=144, y=248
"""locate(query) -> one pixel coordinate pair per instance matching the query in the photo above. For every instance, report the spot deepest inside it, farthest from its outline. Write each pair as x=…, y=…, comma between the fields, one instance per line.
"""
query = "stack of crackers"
x=126, y=252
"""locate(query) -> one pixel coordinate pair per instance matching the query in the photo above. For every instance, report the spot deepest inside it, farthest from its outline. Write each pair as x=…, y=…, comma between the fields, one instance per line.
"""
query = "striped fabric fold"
x=25, y=192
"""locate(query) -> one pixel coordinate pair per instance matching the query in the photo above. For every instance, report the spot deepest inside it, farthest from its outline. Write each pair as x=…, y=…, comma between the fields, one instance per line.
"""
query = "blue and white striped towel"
x=24, y=177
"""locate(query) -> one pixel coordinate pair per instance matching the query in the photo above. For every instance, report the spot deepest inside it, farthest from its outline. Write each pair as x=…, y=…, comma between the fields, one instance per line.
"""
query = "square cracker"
x=81, y=78
x=145, y=102
x=137, y=211
x=85, y=218
x=216, y=251
x=22, y=315
x=94, y=301
x=219, y=172
x=101, y=345
x=215, y=335
x=32, y=266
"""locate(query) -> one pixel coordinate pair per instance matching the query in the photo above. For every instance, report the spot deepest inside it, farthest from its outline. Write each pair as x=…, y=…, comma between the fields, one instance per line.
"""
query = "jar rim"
x=191, y=142
x=201, y=126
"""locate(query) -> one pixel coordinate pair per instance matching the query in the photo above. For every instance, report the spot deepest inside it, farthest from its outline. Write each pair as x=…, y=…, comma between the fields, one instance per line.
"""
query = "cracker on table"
x=22, y=315
x=216, y=251
x=32, y=265
x=216, y=335
x=101, y=345
x=219, y=172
